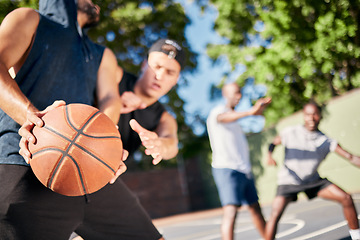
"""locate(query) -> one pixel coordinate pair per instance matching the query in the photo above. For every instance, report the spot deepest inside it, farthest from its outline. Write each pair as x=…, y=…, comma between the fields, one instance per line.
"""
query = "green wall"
x=341, y=121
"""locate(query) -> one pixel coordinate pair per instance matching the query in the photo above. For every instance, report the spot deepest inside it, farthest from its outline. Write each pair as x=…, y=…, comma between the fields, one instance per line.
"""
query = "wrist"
x=271, y=147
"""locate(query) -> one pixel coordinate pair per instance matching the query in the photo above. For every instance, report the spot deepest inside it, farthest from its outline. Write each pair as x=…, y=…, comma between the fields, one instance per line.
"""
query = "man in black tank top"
x=46, y=48
x=144, y=120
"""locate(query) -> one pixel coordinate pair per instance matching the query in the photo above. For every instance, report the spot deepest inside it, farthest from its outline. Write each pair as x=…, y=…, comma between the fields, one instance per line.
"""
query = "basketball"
x=77, y=151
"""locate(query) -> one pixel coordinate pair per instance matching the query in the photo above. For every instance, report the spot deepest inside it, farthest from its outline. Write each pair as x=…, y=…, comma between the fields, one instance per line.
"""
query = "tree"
x=300, y=49
x=129, y=27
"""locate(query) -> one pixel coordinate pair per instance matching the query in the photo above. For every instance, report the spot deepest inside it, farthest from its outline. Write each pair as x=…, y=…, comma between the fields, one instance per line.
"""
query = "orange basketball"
x=77, y=151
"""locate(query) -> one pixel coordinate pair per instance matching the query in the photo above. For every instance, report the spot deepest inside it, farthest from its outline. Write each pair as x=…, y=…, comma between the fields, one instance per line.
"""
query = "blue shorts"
x=234, y=187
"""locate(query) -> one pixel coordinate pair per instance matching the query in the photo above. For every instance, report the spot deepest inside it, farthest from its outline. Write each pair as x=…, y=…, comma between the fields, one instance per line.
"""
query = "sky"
x=197, y=94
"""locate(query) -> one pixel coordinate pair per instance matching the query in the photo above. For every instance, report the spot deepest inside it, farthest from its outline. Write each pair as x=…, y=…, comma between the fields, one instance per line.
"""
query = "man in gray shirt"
x=305, y=148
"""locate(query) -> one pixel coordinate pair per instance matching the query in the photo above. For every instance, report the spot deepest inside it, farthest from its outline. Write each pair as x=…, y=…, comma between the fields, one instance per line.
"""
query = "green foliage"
x=135, y=25
x=309, y=49
x=7, y=6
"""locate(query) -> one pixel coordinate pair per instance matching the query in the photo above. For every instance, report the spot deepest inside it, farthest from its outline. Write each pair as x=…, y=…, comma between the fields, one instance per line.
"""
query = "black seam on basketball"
x=97, y=158
x=86, y=135
x=84, y=125
x=81, y=131
x=79, y=146
x=100, y=137
x=57, y=133
x=64, y=154
x=72, y=142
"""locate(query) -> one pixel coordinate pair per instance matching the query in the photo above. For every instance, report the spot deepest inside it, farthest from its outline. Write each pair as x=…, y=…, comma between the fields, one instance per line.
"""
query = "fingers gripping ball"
x=77, y=151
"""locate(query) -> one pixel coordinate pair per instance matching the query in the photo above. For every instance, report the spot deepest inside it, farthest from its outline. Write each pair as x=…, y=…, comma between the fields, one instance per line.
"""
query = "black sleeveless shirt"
x=62, y=64
x=148, y=118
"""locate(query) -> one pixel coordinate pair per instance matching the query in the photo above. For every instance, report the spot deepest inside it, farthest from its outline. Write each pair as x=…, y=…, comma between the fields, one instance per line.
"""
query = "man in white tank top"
x=231, y=162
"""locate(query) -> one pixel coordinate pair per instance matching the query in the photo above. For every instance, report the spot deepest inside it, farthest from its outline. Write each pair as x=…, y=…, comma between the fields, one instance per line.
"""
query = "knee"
x=347, y=200
x=230, y=213
x=255, y=209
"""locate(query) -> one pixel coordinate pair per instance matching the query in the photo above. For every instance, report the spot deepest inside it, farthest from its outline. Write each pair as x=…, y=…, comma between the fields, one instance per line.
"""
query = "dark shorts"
x=310, y=189
x=234, y=187
x=28, y=210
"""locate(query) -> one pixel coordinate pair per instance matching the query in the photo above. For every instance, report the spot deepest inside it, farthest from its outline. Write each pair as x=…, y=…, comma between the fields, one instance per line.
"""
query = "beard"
x=91, y=11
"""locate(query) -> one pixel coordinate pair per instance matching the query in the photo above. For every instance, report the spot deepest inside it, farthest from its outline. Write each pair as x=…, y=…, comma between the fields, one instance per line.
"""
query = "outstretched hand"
x=150, y=140
x=260, y=105
x=33, y=119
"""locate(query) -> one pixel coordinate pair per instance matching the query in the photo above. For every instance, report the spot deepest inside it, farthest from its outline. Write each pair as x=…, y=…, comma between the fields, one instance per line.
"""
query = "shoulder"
x=16, y=34
x=167, y=119
x=290, y=131
x=218, y=110
x=27, y=17
x=108, y=55
x=322, y=135
x=108, y=61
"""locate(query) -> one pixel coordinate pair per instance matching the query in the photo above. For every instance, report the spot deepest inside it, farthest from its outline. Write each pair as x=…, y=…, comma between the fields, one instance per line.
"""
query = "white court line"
x=299, y=224
x=324, y=230
x=217, y=236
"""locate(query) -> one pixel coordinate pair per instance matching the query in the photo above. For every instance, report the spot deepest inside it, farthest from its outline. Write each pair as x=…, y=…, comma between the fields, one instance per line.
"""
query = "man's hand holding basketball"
x=33, y=119
x=122, y=168
x=150, y=140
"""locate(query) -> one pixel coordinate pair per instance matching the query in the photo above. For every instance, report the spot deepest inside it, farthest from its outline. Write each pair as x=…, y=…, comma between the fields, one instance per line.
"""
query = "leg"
x=278, y=207
x=258, y=218
x=115, y=213
x=333, y=192
x=31, y=211
x=228, y=222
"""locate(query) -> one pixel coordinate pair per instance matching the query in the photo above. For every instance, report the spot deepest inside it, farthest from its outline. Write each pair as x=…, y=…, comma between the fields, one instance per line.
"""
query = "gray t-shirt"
x=304, y=151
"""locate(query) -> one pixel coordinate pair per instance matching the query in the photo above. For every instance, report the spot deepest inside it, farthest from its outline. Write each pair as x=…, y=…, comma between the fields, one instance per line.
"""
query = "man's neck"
x=144, y=98
x=228, y=105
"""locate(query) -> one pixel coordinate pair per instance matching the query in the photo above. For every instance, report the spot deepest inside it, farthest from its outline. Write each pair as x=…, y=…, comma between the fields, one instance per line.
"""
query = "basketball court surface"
x=315, y=219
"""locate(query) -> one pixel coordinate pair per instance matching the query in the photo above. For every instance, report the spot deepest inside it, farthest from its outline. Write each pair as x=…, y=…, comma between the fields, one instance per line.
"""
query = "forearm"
x=170, y=147
x=233, y=116
x=350, y=157
x=109, y=101
x=12, y=101
x=111, y=107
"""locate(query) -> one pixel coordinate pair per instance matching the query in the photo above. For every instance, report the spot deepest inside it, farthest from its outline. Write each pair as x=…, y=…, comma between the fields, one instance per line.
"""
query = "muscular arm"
x=107, y=86
x=345, y=154
x=232, y=116
x=16, y=34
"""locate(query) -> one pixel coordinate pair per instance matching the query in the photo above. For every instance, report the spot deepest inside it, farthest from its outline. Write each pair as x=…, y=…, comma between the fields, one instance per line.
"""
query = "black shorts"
x=28, y=210
x=310, y=189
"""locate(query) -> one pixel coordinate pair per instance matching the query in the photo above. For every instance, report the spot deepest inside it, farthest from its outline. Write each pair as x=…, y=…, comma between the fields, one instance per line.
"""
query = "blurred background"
x=292, y=51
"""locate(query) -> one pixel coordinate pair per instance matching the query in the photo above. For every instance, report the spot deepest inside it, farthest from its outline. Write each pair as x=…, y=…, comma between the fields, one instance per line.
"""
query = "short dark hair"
x=315, y=104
